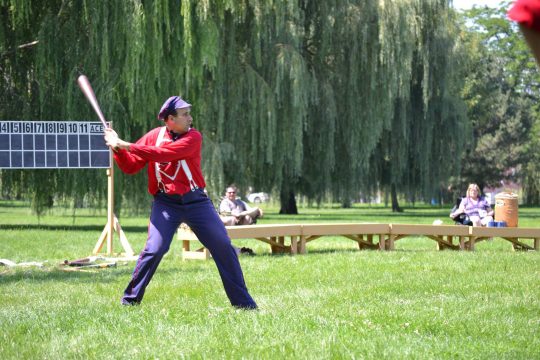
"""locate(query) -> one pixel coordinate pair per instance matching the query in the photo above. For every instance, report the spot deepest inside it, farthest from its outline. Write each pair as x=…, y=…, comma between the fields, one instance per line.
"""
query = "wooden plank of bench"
x=510, y=234
x=515, y=232
x=351, y=231
x=443, y=243
x=434, y=232
x=361, y=242
x=272, y=234
x=417, y=229
x=344, y=229
x=255, y=231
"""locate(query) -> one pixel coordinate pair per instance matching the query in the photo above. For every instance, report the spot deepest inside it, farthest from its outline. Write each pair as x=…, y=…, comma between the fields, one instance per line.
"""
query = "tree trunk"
x=532, y=195
x=346, y=203
x=395, y=204
x=288, y=202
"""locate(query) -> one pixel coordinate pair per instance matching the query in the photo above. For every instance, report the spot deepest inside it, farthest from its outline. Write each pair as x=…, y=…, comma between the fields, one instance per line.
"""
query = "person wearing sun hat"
x=175, y=180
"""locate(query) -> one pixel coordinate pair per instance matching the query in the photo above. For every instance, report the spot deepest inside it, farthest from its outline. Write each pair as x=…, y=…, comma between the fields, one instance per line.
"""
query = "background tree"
x=323, y=99
x=501, y=92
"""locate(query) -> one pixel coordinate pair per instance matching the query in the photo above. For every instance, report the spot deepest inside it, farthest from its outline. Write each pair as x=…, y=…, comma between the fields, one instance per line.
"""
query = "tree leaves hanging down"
x=428, y=127
x=108, y=42
x=323, y=99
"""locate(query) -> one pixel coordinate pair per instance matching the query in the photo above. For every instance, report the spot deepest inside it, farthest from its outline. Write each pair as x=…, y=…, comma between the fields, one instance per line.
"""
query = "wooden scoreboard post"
x=112, y=222
x=63, y=145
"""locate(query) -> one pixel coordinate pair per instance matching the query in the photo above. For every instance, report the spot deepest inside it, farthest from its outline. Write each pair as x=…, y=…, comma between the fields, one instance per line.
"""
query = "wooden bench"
x=467, y=236
x=293, y=238
x=514, y=235
x=274, y=235
x=363, y=234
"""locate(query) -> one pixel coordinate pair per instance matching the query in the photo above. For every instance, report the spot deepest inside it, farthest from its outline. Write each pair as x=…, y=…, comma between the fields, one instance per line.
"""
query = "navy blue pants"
x=197, y=211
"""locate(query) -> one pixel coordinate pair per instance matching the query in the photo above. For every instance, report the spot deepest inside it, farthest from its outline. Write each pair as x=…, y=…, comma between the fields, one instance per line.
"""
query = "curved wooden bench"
x=293, y=238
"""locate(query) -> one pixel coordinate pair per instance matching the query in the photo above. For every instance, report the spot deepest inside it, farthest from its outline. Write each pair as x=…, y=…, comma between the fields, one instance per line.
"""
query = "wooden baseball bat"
x=87, y=90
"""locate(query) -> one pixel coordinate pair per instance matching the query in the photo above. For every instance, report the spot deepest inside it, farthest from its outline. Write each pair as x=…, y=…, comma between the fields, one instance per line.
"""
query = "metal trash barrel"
x=506, y=208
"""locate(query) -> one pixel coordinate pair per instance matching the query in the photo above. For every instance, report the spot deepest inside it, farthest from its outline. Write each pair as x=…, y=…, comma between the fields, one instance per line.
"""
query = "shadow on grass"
x=56, y=274
x=14, y=204
x=350, y=251
x=68, y=227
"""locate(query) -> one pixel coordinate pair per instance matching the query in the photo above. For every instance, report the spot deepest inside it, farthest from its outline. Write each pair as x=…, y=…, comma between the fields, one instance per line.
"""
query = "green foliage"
x=317, y=98
x=501, y=92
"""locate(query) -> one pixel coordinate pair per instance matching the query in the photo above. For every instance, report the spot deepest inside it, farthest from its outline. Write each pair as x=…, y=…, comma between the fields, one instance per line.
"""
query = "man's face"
x=231, y=194
x=181, y=122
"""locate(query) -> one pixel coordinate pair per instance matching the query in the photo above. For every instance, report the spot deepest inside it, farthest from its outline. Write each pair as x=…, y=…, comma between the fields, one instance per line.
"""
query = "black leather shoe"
x=247, y=251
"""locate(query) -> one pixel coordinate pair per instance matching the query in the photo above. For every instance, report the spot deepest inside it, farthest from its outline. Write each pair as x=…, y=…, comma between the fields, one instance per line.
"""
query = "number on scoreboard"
x=52, y=145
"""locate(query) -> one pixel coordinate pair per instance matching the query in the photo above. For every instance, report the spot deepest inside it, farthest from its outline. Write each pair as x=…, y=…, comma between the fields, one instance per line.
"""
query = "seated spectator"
x=475, y=207
x=234, y=211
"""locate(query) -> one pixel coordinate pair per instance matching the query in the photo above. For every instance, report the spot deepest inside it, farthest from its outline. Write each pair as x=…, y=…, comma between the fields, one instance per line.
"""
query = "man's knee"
x=246, y=220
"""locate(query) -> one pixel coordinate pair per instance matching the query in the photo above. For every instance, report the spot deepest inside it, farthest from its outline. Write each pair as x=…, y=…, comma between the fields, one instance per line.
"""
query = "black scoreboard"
x=53, y=145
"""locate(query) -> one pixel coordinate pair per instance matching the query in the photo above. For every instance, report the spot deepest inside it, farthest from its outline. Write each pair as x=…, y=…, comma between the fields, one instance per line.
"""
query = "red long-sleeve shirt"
x=187, y=147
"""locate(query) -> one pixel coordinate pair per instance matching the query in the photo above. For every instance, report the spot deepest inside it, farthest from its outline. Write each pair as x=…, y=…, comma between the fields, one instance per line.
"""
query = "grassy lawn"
x=334, y=302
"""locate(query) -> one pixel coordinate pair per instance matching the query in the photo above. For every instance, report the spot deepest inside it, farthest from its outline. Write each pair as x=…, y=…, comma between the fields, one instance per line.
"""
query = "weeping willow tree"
x=324, y=99
x=420, y=150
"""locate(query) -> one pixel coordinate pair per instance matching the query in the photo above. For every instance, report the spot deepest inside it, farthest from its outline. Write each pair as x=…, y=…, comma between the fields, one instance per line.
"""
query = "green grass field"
x=334, y=302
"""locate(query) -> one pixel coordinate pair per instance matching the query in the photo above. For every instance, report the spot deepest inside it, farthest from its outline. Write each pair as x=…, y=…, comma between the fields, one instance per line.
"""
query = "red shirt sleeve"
x=129, y=162
x=527, y=13
x=187, y=146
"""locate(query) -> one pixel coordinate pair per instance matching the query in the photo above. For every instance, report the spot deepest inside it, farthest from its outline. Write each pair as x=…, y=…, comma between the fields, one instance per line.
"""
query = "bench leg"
x=382, y=242
x=360, y=245
x=302, y=247
x=440, y=245
x=294, y=245
x=273, y=248
x=281, y=248
x=390, y=244
x=537, y=244
x=471, y=243
x=185, y=245
x=370, y=239
x=201, y=254
x=461, y=243
x=281, y=240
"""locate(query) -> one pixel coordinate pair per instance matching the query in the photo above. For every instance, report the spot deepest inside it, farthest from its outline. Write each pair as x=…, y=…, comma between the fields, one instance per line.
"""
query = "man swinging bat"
x=173, y=155
x=175, y=180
